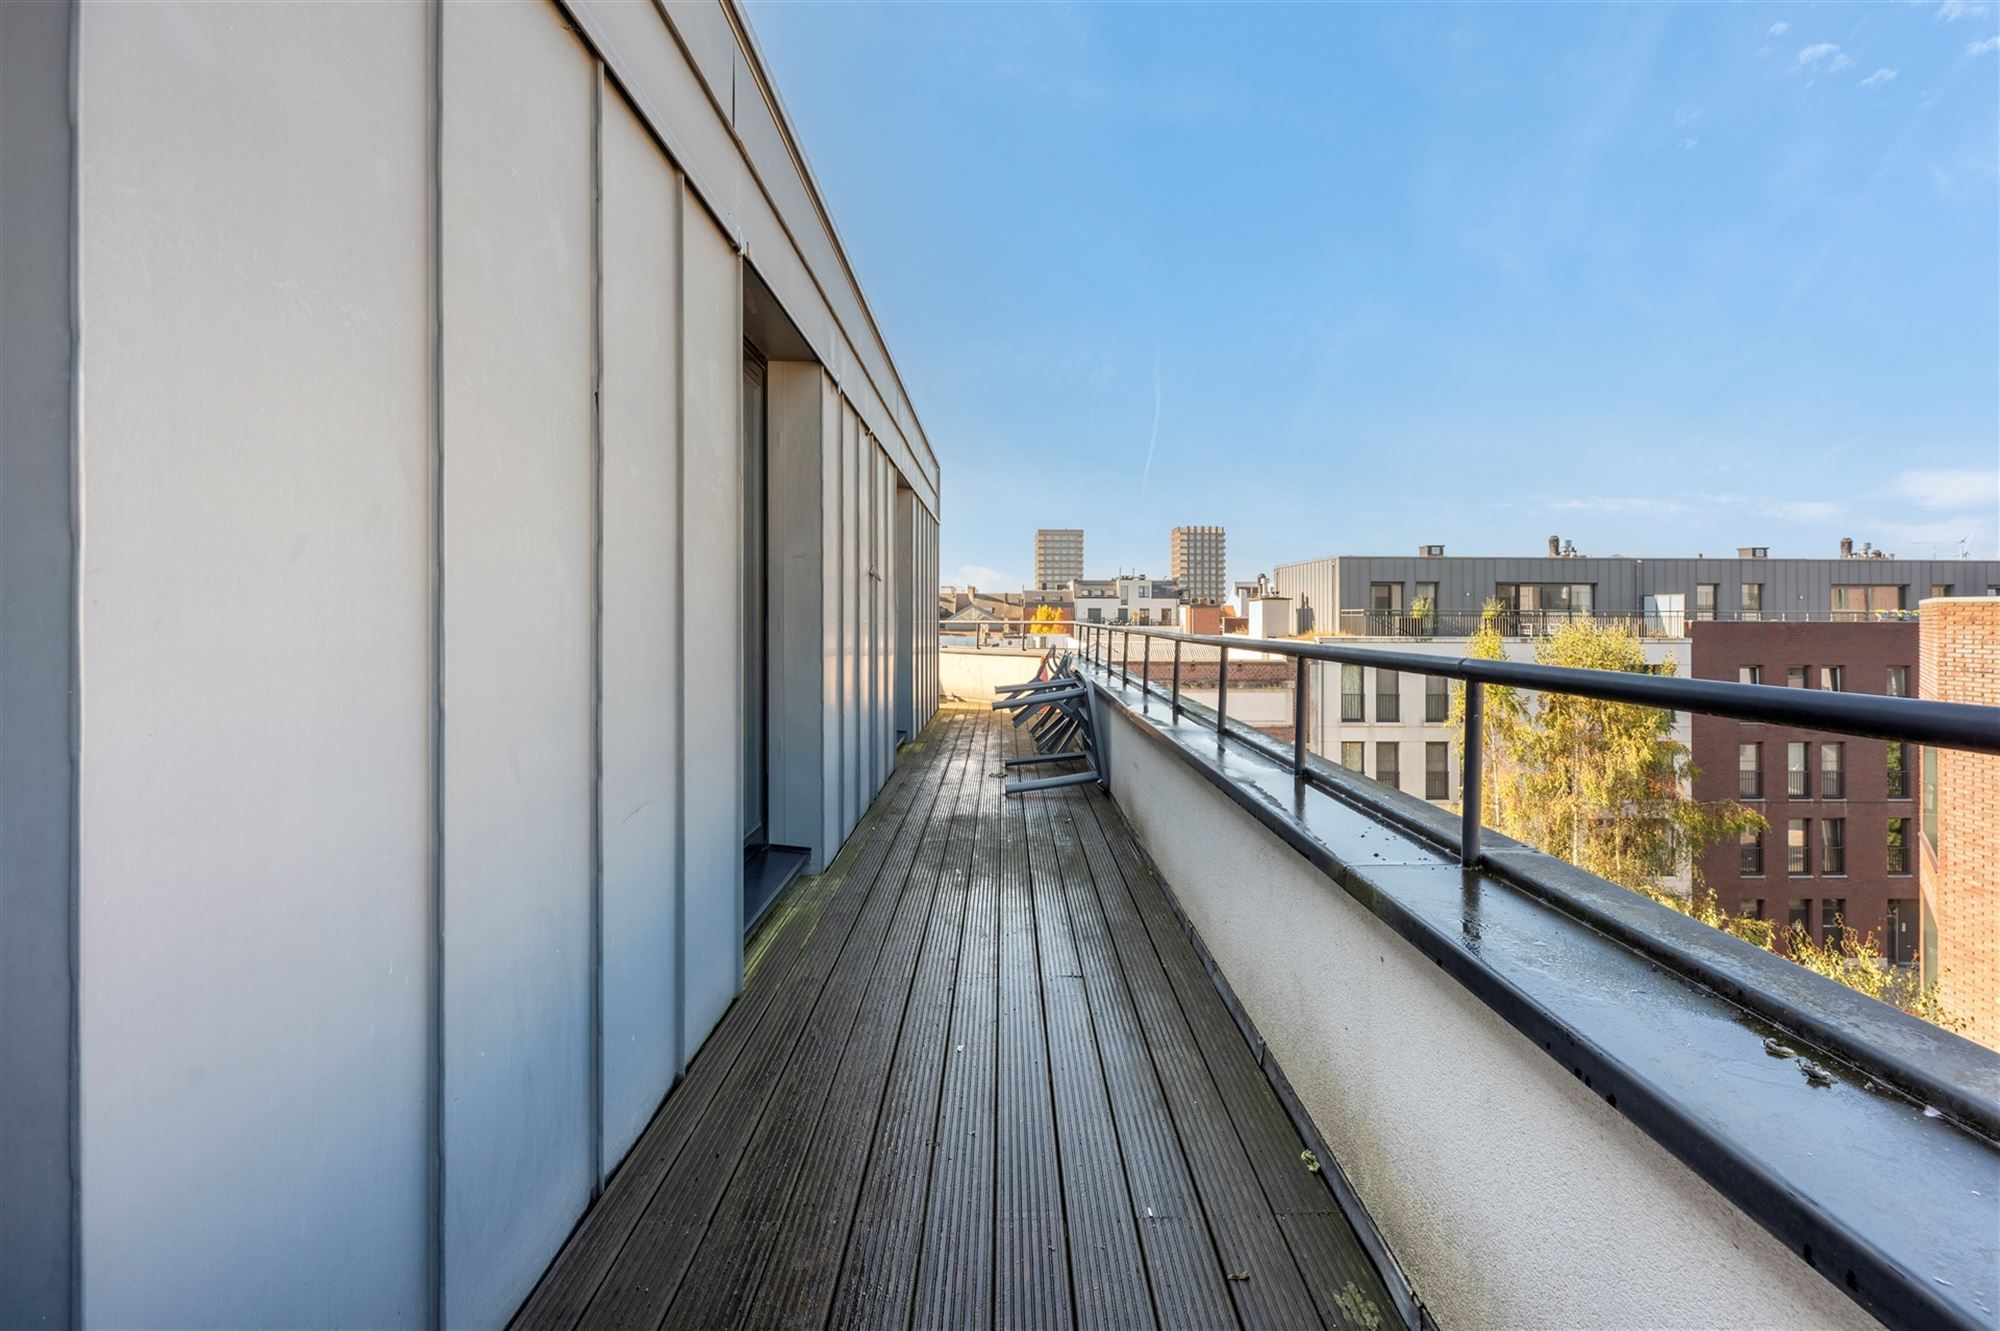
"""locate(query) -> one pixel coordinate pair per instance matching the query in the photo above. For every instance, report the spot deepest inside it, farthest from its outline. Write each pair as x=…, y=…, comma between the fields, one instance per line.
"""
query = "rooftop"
x=979, y=1075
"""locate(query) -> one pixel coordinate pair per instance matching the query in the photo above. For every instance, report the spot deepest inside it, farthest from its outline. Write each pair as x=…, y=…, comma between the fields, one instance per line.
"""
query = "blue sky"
x=1661, y=279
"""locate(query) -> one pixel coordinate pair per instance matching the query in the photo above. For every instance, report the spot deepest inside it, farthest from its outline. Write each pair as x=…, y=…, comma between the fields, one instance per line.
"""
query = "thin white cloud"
x=1981, y=48
x=1879, y=76
x=1678, y=505
x=1778, y=29
x=1801, y=510
x=1690, y=144
x=1154, y=441
x=1952, y=10
x=1646, y=504
x=1949, y=487
x=1686, y=115
x=988, y=579
x=1823, y=56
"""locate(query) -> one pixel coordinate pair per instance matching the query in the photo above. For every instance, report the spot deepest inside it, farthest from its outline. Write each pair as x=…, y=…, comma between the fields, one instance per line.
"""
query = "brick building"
x=1842, y=810
x=1959, y=855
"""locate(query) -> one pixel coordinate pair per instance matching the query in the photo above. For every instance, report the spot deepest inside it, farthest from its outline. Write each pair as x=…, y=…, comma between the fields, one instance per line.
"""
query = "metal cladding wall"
x=407, y=458
x=256, y=820
x=1794, y=587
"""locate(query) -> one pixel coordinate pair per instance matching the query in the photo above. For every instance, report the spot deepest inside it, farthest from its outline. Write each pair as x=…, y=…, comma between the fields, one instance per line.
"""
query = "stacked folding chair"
x=1060, y=713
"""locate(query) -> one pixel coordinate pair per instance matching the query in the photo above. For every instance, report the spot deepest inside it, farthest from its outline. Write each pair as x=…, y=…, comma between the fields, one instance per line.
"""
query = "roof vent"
x=1753, y=552
x=1430, y=551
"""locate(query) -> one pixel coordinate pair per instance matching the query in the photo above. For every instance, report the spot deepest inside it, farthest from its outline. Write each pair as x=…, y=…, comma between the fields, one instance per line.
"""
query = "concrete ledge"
x=1549, y=1129
x=968, y=674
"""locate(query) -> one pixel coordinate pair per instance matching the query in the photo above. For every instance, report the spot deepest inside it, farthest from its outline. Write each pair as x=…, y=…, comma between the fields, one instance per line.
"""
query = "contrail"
x=1153, y=442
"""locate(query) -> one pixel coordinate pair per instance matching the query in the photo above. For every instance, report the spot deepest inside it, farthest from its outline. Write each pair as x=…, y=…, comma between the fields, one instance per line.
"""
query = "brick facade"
x=1959, y=860
x=1876, y=900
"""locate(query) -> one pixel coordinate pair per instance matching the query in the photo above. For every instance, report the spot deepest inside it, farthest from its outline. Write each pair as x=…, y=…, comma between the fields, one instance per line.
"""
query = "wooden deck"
x=977, y=1078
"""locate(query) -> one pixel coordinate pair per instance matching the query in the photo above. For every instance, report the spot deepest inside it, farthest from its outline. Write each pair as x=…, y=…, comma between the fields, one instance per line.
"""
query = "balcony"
x=1059, y=1060
x=978, y=1075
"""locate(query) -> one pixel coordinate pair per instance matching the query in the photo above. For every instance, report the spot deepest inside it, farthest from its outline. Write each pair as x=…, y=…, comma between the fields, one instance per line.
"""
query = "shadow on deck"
x=977, y=1077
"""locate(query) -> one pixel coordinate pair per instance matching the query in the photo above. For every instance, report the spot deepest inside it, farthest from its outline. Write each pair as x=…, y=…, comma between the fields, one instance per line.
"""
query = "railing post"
x=1125, y=658
x=1177, y=680
x=1145, y=669
x=1299, y=721
x=1222, y=695
x=1471, y=792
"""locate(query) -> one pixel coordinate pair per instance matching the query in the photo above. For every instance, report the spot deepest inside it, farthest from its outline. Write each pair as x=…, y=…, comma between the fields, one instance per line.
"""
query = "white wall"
x=1512, y=1196
x=519, y=508
x=639, y=815
x=255, y=805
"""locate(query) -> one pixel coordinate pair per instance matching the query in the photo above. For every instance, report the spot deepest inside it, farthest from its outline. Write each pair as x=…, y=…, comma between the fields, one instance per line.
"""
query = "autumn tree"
x=1605, y=786
x=1047, y=619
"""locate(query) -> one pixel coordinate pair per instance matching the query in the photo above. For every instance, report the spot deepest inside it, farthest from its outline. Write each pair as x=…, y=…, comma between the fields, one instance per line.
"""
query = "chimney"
x=1847, y=547
x=1555, y=547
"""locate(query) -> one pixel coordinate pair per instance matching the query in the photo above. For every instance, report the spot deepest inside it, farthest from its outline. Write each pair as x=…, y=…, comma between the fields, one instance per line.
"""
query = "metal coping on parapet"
x=1964, y=726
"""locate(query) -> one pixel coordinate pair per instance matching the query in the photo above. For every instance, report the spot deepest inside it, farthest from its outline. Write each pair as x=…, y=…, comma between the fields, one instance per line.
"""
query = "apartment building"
x=1841, y=810
x=1958, y=863
x=1432, y=594
x=1200, y=564
x=1126, y=599
x=1058, y=557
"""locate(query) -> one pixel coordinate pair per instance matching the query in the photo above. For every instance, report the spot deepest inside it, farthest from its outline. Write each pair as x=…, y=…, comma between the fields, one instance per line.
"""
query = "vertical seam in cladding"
x=597, y=1164
x=74, y=279
x=744, y=627
x=434, y=32
x=679, y=1014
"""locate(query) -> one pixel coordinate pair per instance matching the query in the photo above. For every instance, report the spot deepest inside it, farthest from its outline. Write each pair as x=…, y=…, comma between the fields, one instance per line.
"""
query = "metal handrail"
x=1950, y=725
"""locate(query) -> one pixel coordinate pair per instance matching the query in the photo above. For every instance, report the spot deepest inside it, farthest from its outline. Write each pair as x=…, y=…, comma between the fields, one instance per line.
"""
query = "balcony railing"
x=1897, y=1262
x=1541, y=623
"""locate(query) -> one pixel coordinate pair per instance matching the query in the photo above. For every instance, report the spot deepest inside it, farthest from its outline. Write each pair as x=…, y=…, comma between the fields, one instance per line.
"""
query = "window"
x=1899, y=771
x=1353, y=706
x=1388, y=764
x=1833, y=771
x=1898, y=685
x=1753, y=600
x=1749, y=674
x=1832, y=678
x=1750, y=854
x=1940, y=589
x=1750, y=771
x=1096, y=615
x=1437, y=698
x=1798, y=855
x=1437, y=775
x=1833, y=845
x=1704, y=599
x=1832, y=918
x=1427, y=592
x=1385, y=606
x=1865, y=602
x=1388, y=688
x=1902, y=931
x=1798, y=783
x=1929, y=777
x=1899, y=845
x=1351, y=756
x=1798, y=914
x=1795, y=676
x=1751, y=908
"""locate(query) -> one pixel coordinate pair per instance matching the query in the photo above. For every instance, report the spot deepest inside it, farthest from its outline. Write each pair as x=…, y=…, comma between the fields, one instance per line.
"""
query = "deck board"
x=978, y=1077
